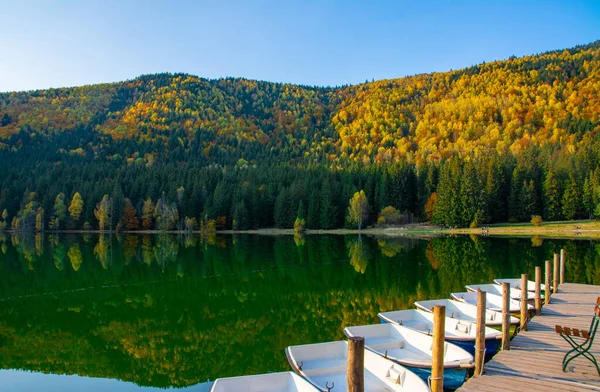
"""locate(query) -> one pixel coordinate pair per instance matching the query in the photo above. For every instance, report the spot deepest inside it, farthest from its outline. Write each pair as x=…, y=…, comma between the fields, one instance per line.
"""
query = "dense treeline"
x=83, y=192
x=495, y=142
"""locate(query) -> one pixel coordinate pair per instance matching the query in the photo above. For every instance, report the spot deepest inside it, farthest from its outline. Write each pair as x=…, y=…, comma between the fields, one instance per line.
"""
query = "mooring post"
x=548, y=291
x=556, y=273
x=505, y=316
x=480, y=332
x=355, y=370
x=562, y=266
x=538, y=290
x=437, y=351
x=524, y=295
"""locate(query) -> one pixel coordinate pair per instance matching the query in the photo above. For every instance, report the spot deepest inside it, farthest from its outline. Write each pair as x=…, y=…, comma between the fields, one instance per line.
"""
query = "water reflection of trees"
x=358, y=254
x=174, y=311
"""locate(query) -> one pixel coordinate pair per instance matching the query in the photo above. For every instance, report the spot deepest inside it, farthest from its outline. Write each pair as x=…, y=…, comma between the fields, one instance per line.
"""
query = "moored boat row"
x=398, y=352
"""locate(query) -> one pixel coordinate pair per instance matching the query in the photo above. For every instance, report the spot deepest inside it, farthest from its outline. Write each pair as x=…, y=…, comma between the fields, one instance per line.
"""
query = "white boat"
x=464, y=311
x=516, y=284
x=494, y=302
x=459, y=332
x=272, y=382
x=324, y=366
x=497, y=289
x=412, y=349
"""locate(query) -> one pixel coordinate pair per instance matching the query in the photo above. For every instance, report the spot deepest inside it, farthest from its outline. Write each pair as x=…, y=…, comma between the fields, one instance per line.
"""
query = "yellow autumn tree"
x=358, y=210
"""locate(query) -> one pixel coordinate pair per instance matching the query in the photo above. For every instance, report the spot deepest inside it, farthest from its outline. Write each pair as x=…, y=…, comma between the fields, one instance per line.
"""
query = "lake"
x=120, y=312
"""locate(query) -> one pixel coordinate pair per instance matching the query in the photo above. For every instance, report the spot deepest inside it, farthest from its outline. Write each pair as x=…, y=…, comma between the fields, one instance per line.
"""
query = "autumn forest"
x=497, y=142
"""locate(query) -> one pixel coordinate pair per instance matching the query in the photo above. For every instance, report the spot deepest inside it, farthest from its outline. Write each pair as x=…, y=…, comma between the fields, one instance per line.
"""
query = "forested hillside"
x=494, y=142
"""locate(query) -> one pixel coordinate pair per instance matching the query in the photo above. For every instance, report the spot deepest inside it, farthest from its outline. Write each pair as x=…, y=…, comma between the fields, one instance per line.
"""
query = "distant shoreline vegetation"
x=506, y=141
x=559, y=229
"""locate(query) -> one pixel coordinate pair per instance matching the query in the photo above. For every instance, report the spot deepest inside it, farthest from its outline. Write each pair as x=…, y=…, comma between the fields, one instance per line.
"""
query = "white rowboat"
x=324, y=366
x=459, y=332
x=497, y=289
x=272, y=382
x=464, y=311
x=494, y=302
x=516, y=284
x=413, y=350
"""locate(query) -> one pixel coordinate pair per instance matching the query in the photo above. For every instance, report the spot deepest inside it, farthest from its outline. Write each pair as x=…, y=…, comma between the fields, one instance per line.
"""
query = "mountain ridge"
x=489, y=143
x=385, y=120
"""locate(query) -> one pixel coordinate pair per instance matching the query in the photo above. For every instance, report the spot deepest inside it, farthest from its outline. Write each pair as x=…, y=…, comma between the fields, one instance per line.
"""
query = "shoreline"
x=588, y=229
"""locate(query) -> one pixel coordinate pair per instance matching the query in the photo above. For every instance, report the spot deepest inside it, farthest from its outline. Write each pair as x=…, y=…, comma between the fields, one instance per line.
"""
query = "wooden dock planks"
x=534, y=361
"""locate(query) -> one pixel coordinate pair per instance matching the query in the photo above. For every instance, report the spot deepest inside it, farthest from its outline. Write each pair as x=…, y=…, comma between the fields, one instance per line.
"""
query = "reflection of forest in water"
x=175, y=311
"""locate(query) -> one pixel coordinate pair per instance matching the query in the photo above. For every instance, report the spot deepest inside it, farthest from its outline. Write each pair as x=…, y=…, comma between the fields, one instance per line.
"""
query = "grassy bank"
x=565, y=229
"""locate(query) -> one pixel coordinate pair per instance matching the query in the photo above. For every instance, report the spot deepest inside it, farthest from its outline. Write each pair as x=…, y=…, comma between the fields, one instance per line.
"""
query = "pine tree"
x=588, y=197
x=571, y=202
x=300, y=214
x=279, y=212
x=118, y=205
x=447, y=209
x=313, y=214
x=528, y=200
x=552, y=199
x=495, y=192
x=240, y=216
x=327, y=208
x=471, y=200
x=515, y=204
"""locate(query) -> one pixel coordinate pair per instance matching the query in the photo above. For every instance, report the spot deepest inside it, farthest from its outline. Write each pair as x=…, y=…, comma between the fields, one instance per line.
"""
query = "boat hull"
x=491, y=346
x=453, y=378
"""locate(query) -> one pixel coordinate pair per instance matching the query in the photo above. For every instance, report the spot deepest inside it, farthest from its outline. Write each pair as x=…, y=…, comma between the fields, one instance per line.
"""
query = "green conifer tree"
x=552, y=199
x=571, y=202
x=447, y=209
x=588, y=197
x=471, y=197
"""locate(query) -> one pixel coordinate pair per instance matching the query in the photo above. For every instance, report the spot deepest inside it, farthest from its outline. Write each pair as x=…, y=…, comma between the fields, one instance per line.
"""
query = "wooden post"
x=556, y=274
x=480, y=332
x=538, y=290
x=355, y=370
x=524, y=295
x=505, y=316
x=437, y=351
x=547, y=292
x=562, y=266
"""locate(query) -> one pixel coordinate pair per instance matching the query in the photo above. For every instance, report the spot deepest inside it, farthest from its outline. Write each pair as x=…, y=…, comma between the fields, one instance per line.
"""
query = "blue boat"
x=458, y=332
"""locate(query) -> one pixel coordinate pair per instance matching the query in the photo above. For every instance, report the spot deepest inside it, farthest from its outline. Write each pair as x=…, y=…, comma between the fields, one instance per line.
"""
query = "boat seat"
x=417, y=325
x=384, y=343
x=323, y=366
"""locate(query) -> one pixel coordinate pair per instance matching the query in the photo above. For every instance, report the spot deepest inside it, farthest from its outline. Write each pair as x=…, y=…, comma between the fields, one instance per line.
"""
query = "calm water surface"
x=123, y=312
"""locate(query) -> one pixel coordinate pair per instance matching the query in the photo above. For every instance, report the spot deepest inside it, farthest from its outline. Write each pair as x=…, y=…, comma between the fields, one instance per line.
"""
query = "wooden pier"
x=534, y=361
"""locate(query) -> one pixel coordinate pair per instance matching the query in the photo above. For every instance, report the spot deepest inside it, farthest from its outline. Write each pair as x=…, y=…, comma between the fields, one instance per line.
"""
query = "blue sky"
x=66, y=43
